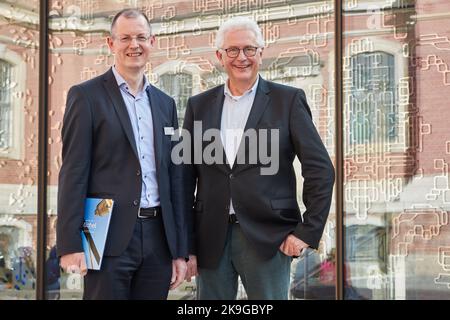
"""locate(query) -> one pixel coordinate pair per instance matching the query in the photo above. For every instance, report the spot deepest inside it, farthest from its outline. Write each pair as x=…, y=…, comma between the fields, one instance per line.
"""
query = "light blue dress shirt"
x=140, y=114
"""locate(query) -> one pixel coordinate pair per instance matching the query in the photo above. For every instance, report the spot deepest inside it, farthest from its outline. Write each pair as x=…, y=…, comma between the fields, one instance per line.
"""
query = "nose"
x=134, y=43
x=241, y=55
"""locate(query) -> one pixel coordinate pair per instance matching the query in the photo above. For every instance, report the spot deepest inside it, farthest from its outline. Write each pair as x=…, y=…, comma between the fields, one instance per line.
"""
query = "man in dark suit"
x=245, y=217
x=116, y=140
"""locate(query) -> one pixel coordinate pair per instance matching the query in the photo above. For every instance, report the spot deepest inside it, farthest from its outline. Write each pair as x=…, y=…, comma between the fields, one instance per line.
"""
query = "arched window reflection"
x=5, y=105
x=179, y=87
x=372, y=98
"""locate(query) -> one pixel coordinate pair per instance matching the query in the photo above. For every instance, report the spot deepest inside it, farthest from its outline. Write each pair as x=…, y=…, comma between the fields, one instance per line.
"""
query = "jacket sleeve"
x=317, y=170
x=189, y=175
x=177, y=196
x=73, y=177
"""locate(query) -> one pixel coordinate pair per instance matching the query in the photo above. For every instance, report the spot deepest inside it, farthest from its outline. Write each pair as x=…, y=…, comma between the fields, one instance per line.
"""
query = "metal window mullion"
x=338, y=34
x=42, y=151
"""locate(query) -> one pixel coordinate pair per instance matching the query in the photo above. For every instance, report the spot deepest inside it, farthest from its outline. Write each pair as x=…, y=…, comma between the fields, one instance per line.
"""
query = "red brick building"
x=396, y=81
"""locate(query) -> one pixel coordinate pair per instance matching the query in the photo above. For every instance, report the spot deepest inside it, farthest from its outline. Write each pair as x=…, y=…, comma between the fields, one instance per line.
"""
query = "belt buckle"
x=140, y=216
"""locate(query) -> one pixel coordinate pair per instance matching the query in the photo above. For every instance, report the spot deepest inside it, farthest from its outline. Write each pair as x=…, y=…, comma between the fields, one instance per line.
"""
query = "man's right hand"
x=74, y=263
x=191, y=268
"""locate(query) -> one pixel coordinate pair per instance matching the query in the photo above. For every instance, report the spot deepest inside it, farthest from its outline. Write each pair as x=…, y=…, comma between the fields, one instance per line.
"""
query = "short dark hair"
x=130, y=13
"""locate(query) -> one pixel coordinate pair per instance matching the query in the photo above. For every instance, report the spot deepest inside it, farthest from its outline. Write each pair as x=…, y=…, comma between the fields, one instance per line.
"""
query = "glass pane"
x=300, y=52
x=19, y=64
x=179, y=87
x=396, y=149
x=5, y=104
x=78, y=52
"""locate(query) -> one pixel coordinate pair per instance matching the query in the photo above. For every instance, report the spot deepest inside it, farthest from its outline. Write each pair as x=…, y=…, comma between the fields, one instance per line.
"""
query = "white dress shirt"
x=235, y=112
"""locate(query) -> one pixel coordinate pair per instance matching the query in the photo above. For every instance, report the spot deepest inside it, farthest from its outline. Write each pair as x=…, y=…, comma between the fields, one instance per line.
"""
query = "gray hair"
x=129, y=13
x=239, y=23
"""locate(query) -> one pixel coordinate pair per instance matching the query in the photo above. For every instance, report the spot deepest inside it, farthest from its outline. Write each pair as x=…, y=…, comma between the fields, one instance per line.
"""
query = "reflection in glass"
x=299, y=35
x=372, y=98
x=5, y=104
x=397, y=149
x=178, y=86
x=18, y=149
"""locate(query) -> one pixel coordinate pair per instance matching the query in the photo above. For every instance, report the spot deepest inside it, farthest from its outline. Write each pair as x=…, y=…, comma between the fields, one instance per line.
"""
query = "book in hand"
x=97, y=215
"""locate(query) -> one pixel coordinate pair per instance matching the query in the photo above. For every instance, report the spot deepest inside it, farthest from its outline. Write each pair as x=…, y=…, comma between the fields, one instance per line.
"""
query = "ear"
x=152, y=40
x=260, y=55
x=110, y=43
x=219, y=56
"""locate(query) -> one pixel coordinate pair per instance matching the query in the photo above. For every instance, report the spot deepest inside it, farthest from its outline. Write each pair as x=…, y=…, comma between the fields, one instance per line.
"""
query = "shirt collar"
x=227, y=91
x=121, y=81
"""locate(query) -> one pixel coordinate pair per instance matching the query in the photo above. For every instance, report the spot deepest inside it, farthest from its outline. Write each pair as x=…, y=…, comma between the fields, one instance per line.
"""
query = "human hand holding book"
x=74, y=263
x=97, y=216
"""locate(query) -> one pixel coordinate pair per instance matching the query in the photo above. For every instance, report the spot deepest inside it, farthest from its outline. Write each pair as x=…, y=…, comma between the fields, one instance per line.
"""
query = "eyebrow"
x=235, y=47
x=129, y=35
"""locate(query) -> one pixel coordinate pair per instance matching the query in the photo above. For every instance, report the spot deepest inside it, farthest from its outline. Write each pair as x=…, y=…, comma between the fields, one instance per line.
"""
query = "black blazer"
x=100, y=159
x=266, y=205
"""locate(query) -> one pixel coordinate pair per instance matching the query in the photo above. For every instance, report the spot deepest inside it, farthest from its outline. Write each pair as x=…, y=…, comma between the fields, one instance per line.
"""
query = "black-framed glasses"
x=233, y=52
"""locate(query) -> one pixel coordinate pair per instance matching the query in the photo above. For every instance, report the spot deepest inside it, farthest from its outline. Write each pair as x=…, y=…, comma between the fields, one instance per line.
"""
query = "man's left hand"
x=179, y=269
x=293, y=246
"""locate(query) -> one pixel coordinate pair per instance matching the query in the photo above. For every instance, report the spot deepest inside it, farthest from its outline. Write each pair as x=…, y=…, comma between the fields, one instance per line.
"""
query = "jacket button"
x=231, y=176
x=135, y=202
x=138, y=173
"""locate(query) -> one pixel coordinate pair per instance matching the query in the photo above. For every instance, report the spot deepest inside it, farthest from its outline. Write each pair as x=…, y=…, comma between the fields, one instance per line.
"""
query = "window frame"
x=359, y=44
x=374, y=130
x=19, y=77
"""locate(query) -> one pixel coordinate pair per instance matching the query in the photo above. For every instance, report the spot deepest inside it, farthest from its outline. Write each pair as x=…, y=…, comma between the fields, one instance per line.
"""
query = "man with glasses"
x=245, y=222
x=116, y=144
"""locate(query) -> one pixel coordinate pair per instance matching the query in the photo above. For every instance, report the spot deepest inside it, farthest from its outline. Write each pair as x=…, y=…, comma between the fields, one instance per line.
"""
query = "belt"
x=152, y=212
x=232, y=218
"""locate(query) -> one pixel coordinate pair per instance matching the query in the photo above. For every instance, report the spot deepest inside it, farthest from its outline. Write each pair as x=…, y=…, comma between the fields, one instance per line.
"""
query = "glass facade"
x=395, y=80
x=396, y=149
x=19, y=65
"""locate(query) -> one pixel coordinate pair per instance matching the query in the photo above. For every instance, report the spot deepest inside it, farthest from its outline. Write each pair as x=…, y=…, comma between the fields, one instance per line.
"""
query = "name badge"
x=169, y=131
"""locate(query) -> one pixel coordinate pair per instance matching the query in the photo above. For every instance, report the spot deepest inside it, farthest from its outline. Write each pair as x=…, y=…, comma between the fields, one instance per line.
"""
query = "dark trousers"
x=143, y=271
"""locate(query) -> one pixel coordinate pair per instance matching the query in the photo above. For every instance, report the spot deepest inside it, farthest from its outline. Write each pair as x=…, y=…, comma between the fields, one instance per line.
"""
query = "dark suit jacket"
x=266, y=205
x=100, y=159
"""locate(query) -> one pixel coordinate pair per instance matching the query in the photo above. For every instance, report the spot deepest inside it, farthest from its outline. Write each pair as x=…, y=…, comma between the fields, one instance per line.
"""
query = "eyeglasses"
x=233, y=52
x=128, y=39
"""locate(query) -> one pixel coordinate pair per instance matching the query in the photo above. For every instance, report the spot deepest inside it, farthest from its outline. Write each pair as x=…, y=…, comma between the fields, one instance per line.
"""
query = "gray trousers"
x=262, y=279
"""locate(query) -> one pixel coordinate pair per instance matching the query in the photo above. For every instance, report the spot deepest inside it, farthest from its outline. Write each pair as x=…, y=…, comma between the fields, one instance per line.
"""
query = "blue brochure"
x=97, y=215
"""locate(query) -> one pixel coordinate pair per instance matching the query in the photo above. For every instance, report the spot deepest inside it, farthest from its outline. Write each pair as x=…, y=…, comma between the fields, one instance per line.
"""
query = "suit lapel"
x=259, y=104
x=158, y=123
x=214, y=122
x=113, y=91
x=258, y=107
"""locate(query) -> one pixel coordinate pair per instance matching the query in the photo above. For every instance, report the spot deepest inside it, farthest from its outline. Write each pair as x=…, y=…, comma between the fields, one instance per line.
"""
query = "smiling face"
x=130, y=42
x=242, y=70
